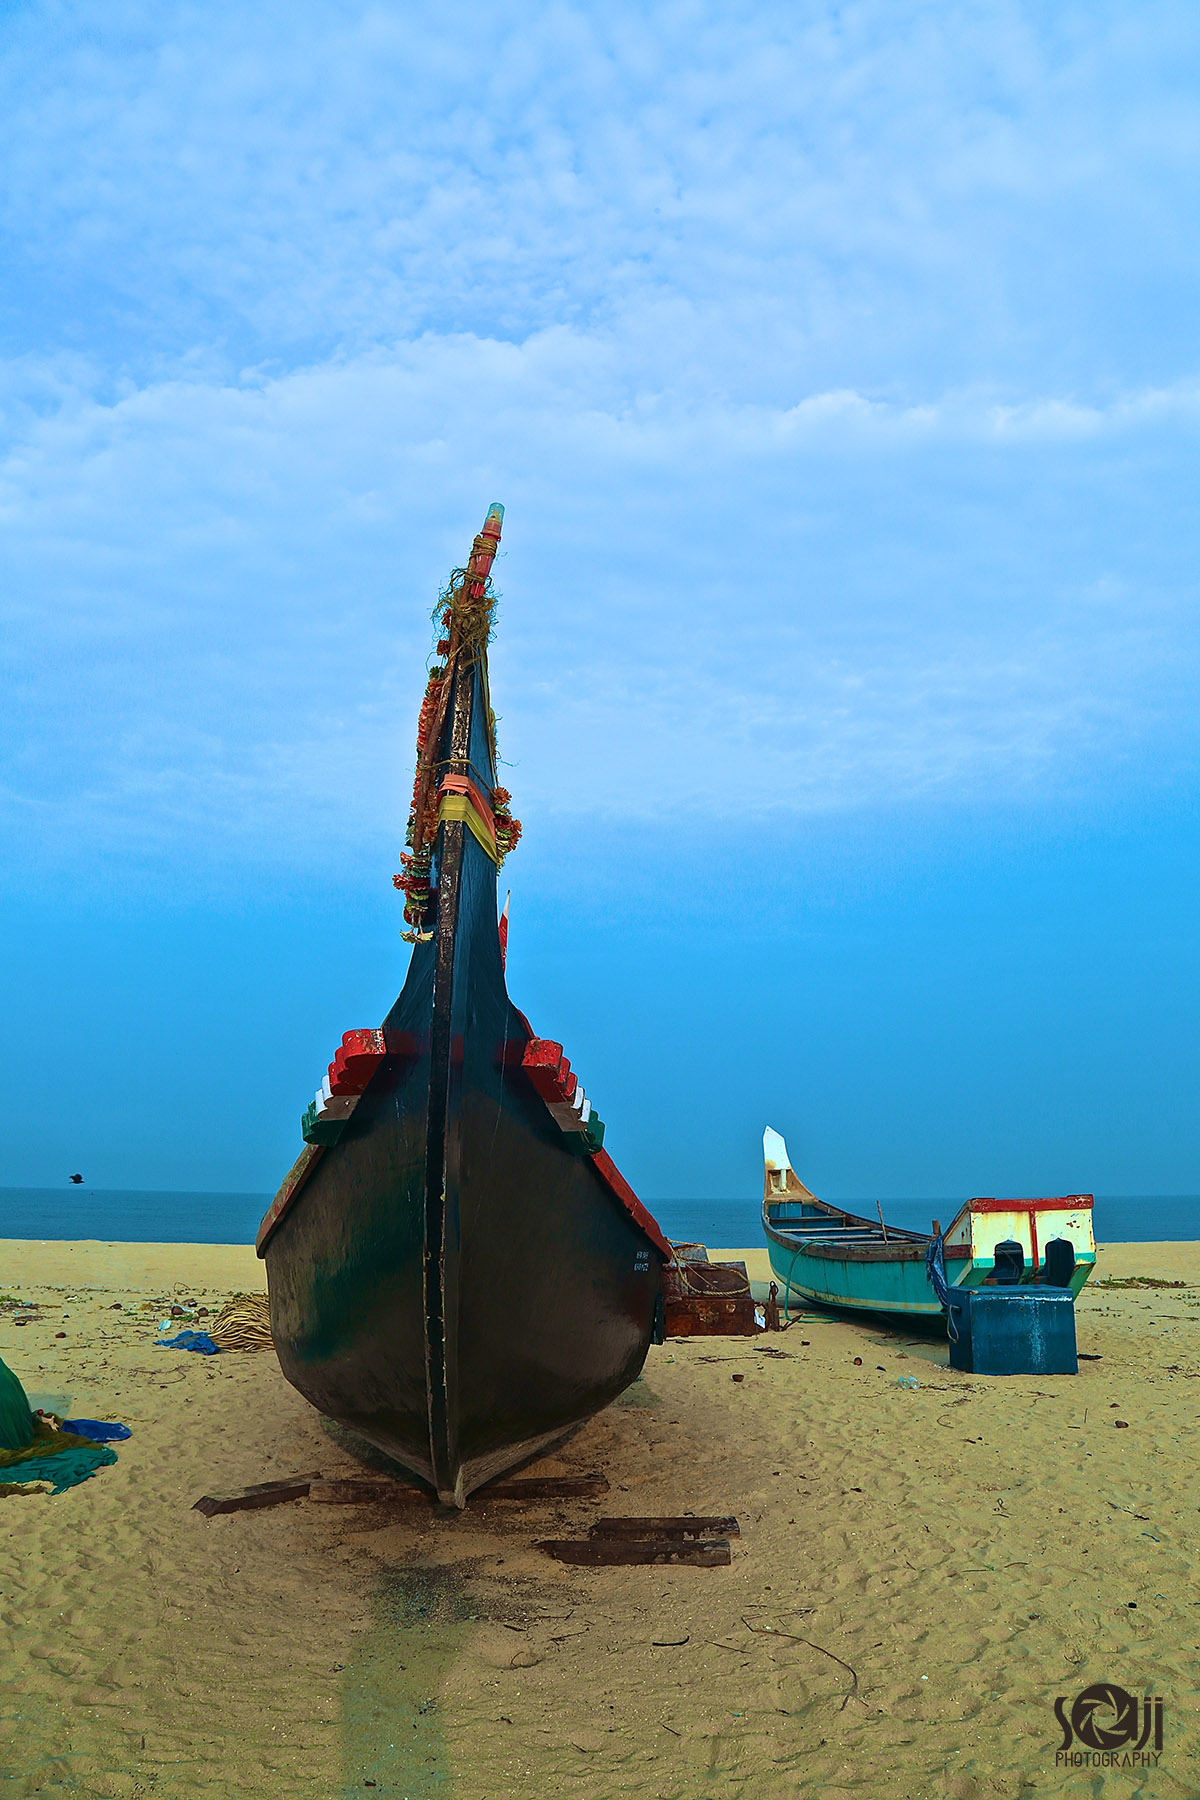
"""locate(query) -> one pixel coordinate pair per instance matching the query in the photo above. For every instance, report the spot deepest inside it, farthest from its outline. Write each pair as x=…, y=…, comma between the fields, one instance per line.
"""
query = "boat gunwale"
x=286, y=1196
x=897, y=1244
x=877, y=1252
x=900, y=1245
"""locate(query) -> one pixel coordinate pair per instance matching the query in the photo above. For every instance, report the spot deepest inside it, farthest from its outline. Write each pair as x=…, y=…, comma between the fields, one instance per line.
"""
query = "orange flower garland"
x=464, y=611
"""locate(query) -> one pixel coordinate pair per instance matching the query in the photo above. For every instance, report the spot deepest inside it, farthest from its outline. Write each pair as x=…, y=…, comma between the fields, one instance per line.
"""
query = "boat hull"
x=455, y=1279
x=890, y=1286
x=551, y=1296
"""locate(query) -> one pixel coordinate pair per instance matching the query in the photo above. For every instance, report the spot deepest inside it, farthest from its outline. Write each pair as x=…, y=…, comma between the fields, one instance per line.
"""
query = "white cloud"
x=834, y=362
x=242, y=577
x=769, y=199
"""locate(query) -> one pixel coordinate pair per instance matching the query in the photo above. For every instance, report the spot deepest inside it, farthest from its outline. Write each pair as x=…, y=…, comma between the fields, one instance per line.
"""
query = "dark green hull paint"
x=452, y=1281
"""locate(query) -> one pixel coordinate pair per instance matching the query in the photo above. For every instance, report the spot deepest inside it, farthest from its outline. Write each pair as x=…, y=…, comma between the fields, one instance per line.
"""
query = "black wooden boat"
x=456, y=1269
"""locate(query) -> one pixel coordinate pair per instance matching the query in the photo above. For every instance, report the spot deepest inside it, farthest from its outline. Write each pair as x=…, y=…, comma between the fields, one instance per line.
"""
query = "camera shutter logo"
x=1105, y=1717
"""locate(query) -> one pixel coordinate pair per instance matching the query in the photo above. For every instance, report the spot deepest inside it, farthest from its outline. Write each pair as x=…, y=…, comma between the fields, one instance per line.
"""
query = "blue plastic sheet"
x=935, y=1268
x=189, y=1340
x=96, y=1429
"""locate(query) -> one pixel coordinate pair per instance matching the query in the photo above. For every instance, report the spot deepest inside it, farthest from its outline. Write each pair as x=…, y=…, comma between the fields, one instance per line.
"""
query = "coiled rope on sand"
x=243, y=1323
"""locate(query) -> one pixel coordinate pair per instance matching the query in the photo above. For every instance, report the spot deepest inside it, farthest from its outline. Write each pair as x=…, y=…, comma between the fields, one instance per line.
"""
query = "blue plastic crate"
x=1013, y=1331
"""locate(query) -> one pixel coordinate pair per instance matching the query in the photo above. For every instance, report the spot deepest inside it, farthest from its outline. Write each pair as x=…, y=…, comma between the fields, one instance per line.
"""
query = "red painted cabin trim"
x=1061, y=1203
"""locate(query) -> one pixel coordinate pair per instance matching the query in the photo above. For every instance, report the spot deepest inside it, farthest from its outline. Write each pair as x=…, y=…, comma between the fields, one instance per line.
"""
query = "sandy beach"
x=920, y=1572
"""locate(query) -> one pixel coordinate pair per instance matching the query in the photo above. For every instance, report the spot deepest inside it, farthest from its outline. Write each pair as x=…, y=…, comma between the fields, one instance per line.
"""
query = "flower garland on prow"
x=416, y=861
x=464, y=612
x=508, y=829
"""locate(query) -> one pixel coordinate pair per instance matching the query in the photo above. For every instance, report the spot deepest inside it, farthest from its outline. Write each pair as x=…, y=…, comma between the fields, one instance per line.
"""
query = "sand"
x=920, y=1572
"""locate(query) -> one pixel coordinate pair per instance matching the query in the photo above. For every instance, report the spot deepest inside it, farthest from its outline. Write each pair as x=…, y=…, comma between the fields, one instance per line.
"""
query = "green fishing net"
x=16, y=1420
x=32, y=1450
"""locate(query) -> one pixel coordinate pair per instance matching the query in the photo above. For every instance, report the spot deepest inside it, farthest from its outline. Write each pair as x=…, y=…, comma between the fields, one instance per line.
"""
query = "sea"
x=137, y=1216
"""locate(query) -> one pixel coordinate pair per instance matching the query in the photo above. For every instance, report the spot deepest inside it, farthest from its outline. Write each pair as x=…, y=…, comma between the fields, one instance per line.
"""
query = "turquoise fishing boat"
x=822, y=1253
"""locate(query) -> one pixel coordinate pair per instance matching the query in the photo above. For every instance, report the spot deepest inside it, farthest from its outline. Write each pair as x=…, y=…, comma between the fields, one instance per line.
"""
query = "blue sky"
x=837, y=368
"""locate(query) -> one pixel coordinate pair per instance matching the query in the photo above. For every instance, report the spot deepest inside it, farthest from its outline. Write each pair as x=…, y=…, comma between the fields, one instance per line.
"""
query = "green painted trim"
x=321, y=1131
x=587, y=1141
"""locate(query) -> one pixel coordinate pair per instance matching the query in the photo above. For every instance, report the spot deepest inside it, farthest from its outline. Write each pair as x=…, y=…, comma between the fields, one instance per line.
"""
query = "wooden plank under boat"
x=457, y=1271
x=821, y=1253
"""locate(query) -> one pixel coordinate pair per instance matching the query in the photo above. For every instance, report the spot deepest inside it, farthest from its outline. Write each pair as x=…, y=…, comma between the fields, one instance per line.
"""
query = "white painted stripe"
x=564, y=1115
x=339, y=1106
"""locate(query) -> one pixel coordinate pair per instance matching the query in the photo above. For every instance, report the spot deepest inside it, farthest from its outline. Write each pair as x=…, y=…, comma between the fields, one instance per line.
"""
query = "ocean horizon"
x=165, y=1216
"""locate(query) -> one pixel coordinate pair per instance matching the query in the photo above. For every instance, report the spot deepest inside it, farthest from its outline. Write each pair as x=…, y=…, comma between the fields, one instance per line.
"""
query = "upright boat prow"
x=457, y=1270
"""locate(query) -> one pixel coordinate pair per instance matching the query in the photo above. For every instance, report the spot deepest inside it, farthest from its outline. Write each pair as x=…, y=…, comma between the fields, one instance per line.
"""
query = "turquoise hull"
x=895, y=1287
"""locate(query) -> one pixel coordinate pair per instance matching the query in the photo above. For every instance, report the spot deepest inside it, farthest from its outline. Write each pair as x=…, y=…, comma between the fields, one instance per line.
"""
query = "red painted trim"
x=1064, y=1203
x=545, y=1084
x=549, y=1071
x=357, y=1059
x=542, y=1063
x=609, y=1173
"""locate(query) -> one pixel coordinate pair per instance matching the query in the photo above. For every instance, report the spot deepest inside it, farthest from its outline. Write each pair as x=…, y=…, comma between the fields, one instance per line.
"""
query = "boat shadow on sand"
x=920, y=1337
x=399, y=1684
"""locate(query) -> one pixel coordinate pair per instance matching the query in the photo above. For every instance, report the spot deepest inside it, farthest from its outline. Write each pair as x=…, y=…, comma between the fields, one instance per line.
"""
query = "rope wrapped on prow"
x=463, y=621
